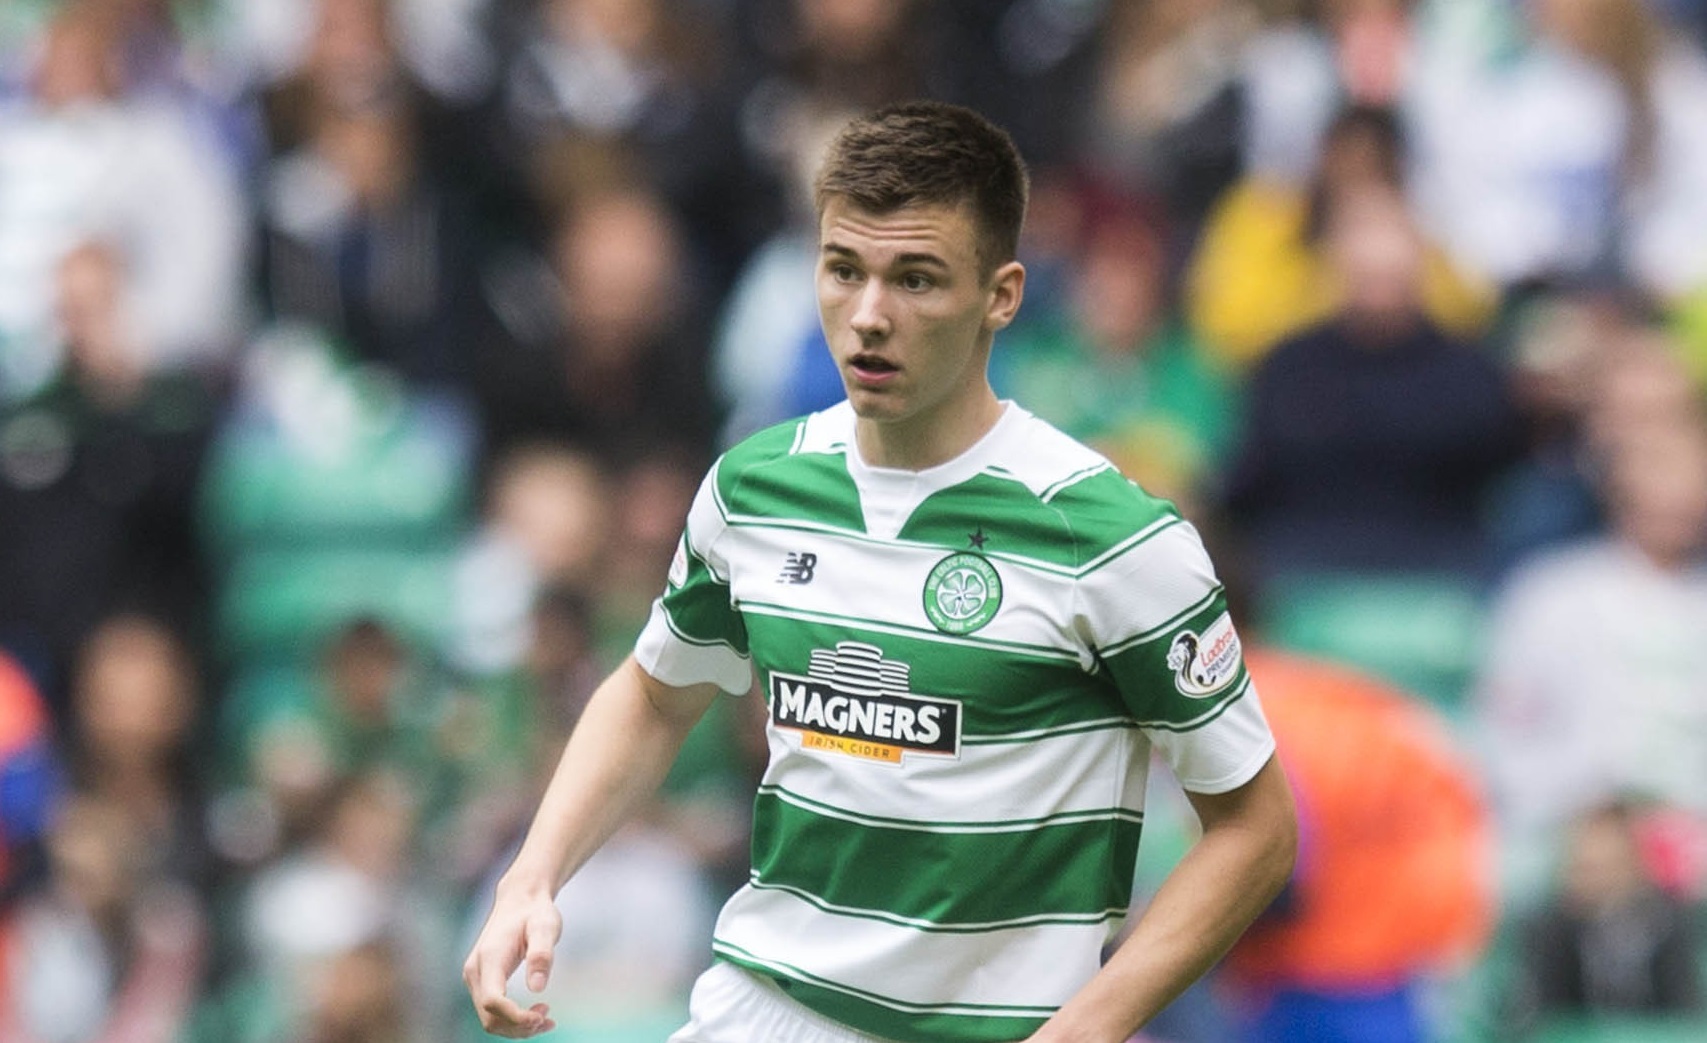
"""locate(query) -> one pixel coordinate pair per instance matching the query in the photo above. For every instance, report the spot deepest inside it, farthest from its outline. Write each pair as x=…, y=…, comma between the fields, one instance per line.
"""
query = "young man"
x=971, y=632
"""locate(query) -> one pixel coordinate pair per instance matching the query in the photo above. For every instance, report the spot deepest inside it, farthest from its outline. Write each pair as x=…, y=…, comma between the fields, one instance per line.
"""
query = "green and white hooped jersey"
x=967, y=668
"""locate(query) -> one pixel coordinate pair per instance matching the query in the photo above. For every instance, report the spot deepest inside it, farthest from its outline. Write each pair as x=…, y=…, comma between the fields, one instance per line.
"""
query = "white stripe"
x=1074, y=479
x=1224, y=756
x=1095, y=724
x=1129, y=542
x=885, y=583
x=1147, y=586
x=1088, y=772
x=1027, y=967
x=914, y=632
x=706, y=525
x=1150, y=584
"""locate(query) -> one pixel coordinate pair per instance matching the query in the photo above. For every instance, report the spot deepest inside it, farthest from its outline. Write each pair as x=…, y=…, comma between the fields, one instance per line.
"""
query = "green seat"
x=1419, y=632
x=280, y=605
x=323, y=450
x=408, y=483
x=1624, y=1029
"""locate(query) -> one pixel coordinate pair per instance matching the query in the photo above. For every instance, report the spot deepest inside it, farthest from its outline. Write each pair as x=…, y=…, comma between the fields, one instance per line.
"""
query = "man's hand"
x=524, y=925
x=622, y=747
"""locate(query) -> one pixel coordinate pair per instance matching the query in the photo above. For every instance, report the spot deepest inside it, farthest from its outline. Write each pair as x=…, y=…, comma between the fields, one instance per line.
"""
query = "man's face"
x=907, y=312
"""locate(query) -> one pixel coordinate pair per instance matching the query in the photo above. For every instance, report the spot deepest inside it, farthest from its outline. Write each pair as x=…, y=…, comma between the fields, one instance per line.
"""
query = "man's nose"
x=870, y=317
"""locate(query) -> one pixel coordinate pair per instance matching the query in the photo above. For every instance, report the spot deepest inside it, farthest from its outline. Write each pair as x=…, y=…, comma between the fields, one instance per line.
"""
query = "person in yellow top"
x=1258, y=273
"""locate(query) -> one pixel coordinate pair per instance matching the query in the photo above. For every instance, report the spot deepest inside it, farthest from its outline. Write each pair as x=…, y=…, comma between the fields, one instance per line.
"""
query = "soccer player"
x=971, y=632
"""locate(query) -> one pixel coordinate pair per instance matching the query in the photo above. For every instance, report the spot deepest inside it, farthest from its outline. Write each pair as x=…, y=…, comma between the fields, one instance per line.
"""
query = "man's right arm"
x=620, y=751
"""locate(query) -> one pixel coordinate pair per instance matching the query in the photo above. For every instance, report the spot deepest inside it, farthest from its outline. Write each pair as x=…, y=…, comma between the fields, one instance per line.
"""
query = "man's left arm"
x=1245, y=856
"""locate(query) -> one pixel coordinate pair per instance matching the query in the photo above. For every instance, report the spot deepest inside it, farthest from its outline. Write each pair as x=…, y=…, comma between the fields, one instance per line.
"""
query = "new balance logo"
x=798, y=568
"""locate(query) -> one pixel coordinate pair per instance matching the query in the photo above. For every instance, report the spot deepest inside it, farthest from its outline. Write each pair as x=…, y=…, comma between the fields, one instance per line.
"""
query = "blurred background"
x=359, y=359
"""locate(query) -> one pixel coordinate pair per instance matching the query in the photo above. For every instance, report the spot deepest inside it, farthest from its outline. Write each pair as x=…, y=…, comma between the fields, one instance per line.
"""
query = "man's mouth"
x=872, y=364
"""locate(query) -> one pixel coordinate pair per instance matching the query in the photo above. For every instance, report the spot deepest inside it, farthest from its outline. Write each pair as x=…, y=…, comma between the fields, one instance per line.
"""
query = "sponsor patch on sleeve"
x=1204, y=664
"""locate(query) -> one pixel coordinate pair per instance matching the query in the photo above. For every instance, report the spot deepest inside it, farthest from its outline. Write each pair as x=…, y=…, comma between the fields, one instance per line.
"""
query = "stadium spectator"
x=512, y=723
x=619, y=361
x=80, y=159
x=1576, y=154
x=136, y=703
x=106, y=950
x=353, y=882
x=99, y=473
x=1619, y=613
x=1610, y=940
x=362, y=238
x=600, y=95
x=1166, y=105
x=372, y=705
x=1260, y=272
x=1370, y=440
x=363, y=997
x=1556, y=344
x=769, y=360
x=546, y=525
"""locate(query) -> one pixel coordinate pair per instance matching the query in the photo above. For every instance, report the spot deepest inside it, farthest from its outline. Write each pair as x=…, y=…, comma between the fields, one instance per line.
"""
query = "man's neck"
x=920, y=443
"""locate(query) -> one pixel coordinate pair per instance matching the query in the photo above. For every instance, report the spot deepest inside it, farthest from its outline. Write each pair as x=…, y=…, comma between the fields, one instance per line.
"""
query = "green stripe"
x=1106, y=509
x=814, y=487
x=689, y=639
x=772, y=443
x=1002, y=691
x=1058, y=872
x=699, y=611
x=1005, y=514
x=767, y=482
x=1194, y=723
x=890, y=1018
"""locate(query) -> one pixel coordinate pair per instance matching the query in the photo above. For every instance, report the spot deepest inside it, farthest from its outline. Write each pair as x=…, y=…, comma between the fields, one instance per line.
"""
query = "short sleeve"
x=1158, y=621
x=694, y=634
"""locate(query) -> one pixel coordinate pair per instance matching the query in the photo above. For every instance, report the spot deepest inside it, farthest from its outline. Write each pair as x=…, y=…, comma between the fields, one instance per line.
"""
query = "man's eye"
x=843, y=273
x=917, y=282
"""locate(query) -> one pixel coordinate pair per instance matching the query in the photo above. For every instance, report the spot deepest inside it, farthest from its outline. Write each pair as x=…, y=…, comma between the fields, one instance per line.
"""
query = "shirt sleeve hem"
x=679, y=663
x=1232, y=780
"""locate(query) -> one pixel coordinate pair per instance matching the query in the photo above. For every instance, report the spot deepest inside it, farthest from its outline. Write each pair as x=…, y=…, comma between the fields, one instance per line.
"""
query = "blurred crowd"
x=359, y=359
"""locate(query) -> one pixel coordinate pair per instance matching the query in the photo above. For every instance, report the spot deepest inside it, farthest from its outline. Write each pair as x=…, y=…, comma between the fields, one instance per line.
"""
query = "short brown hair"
x=931, y=153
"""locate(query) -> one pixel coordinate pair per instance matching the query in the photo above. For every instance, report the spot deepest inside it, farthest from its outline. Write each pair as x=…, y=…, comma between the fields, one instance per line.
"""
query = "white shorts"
x=731, y=1005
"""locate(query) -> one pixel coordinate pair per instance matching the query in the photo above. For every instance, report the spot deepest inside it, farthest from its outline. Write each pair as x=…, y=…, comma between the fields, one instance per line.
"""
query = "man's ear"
x=1007, y=290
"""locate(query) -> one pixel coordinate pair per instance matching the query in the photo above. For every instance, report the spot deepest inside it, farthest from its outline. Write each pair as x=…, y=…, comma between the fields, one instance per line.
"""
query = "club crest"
x=962, y=593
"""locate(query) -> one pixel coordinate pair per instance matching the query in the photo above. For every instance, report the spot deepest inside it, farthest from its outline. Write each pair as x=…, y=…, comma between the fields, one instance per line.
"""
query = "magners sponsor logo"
x=853, y=701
